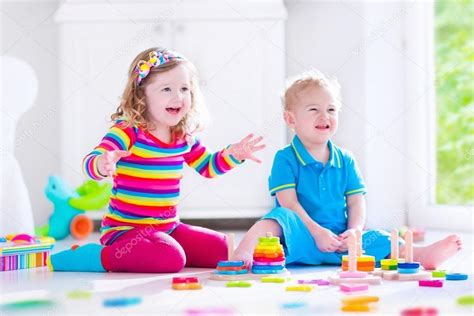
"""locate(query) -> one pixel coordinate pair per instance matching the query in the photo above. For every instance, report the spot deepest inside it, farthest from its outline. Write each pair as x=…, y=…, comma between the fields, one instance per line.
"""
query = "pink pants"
x=141, y=250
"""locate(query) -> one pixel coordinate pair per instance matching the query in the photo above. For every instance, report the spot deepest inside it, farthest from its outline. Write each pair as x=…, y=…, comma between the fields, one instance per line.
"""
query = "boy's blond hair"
x=296, y=84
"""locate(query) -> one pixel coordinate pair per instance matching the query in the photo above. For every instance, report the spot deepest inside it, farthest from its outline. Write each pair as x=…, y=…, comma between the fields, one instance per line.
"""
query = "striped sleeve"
x=207, y=164
x=119, y=137
x=355, y=182
x=282, y=176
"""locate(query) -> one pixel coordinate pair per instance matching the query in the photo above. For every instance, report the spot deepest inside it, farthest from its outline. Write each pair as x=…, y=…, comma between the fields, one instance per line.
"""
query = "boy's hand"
x=107, y=161
x=245, y=148
x=326, y=240
x=343, y=238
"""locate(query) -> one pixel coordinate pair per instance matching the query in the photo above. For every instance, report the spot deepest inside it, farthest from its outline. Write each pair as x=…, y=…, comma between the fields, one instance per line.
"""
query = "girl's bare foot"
x=432, y=256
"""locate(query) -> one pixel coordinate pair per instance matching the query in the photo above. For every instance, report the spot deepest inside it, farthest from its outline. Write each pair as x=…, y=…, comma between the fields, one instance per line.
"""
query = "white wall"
x=28, y=32
x=359, y=43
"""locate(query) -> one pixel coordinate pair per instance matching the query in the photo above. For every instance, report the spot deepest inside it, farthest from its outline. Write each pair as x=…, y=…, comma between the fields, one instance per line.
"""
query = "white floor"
x=262, y=298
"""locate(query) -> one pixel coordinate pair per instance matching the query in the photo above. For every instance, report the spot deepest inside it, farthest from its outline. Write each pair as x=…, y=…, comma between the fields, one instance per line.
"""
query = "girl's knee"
x=169, y=254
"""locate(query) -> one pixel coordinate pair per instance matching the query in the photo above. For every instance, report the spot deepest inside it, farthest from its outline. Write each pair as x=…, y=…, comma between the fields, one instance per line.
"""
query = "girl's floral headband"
x=155, y=59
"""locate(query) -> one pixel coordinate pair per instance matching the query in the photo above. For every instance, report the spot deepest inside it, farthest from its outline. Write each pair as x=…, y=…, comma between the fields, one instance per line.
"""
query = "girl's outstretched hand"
x=246, y=148
x=108, y=160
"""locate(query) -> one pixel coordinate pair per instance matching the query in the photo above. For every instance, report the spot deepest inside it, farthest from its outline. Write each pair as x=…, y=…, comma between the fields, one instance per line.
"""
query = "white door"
x=235, y=83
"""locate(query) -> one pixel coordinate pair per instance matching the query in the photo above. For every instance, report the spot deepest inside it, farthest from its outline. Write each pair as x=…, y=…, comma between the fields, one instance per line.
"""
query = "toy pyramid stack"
x=268, y=259
x=364, y=262
x=268, y=256
x=231, y=268
x=399, y=269
x=352, y=274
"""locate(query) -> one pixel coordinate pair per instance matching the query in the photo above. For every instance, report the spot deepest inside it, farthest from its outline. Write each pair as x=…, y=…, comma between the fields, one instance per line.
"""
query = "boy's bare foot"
x=432, y=256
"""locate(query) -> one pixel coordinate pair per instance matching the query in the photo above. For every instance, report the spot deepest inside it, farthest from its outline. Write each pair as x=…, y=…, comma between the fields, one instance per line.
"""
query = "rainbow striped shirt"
x=146, y=185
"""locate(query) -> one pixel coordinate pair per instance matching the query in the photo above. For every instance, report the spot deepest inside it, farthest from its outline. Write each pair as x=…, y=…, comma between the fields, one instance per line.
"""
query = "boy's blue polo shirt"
x=321, y=189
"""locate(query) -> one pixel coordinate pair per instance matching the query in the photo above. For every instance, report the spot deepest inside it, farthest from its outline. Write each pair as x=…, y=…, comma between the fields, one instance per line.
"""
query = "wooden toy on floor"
x=349, y=288
x=419, y=311
x=358, y=303
x=364, y=263
x=191, y=283
x=351, y=275
x=23, y=252
x=456, y=276
x=430, y=283
x=268, y=256
x=238, y=284
x=273, y=279
x=269, y=259
x=300, y=288
x=406, y=270
x=121, y=301
x=314, y=281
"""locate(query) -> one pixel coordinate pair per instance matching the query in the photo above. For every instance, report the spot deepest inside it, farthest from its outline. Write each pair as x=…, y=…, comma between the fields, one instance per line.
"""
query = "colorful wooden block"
x=354, y=274
x=389, y=262
x=419, y=311
x=353, y=287
x=430, y=283
x=456, y=276
x=369, y=279
x=355, y=308
x=358, y=303
x=408, y=271
x=238, y=284
x=359, y=300
x=185, y=280
x=225, y=263
x=186, y=286
x=273, y=279
x=408, y=265
x=243, y=271
x=466, y=300
x=314, y=281
x=438, y=274
x=300, y=288
x=269, y=263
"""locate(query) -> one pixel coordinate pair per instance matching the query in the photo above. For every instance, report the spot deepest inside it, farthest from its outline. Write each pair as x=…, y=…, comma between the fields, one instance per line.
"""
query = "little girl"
x=144, y=152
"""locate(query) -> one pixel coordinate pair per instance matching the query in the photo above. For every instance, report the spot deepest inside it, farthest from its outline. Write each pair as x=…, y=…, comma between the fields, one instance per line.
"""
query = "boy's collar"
x=305, y=158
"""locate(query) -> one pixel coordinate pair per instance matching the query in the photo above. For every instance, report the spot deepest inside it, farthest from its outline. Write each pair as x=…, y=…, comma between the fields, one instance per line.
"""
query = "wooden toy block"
x=358, y=300
x=314, y=281
x=238, y=284
x=355, y=308
x=395, y=276
x=273, y=279
x=438, y=274
x=456, y=276
x=246, y=276
x=358, y=303
x=353, y=287
x=420, y=311
x=186, y=286
x=300, y=288
x=352, y=276
x=370, y=279
x=185, y=280
x=430, y=283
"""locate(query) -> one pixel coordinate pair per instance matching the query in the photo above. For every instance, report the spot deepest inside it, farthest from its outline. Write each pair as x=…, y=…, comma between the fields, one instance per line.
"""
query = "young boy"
x=319, y=189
